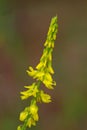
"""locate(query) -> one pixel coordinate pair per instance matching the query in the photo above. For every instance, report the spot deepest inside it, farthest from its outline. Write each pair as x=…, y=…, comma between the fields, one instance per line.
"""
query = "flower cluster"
x=29, y=115
x=43, y=74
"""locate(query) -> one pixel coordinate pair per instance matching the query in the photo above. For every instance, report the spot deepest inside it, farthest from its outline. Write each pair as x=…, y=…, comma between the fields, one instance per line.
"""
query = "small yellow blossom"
x=33, y=109
x=30, y=122
x=25, y=94
x=32, y=91
x=36, y=117
x=50, y=69
x=23, y=115
x=48, y=81
x=40, y=65
x=19, y=128
x=45, y=97
x=31, y=71
x=54, y=37
x=49, y=84
x=35, y=73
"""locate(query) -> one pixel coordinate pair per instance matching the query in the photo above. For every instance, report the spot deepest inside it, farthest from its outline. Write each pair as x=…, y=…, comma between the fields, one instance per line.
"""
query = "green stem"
x=38, y=83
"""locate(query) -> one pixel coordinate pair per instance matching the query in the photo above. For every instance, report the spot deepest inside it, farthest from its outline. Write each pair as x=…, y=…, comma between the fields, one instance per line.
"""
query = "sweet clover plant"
x=42, y=75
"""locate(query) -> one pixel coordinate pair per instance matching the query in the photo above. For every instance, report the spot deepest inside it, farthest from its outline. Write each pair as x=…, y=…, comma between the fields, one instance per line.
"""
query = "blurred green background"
x=23, y=28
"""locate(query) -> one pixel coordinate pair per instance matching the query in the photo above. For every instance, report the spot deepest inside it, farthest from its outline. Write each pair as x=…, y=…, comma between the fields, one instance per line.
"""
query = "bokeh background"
x=23, y=28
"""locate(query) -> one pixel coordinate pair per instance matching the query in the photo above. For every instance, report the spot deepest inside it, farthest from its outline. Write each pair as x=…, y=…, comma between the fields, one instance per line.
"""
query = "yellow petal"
x=45, y=97
x=19, y=128
x=33, y=109
x=36, y=117
x=50, y=69
x=23, y=115
x=31, y=122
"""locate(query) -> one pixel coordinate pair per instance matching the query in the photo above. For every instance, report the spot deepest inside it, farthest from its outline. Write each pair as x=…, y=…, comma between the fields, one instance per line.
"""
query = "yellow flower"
x=32, y=91
x=49, y=84
x=48, y=77
x=19, y=128
x=39, y=75
x=30, y=122
x=48, y=81
x=50, y=57
x=30, y=114
x=54, y=37
x=23, y=115
x=31, y=72
x=36, y=117
x=45, y=97
x=35, y=73
x=50, y=69
x=41, y=65
x=25, y=94
x=33, y=109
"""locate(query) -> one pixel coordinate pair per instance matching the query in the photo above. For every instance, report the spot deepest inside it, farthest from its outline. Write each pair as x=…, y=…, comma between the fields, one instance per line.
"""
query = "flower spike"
x=42, y=75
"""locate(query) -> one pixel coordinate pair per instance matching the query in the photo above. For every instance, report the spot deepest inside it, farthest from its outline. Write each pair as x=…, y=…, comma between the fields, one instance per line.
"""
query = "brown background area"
x=23, y=28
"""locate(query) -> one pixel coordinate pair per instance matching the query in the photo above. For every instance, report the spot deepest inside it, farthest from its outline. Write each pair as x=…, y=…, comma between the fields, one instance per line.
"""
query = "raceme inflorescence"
x=42, y=75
